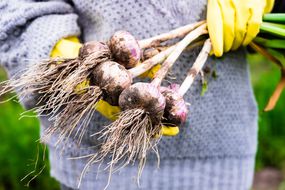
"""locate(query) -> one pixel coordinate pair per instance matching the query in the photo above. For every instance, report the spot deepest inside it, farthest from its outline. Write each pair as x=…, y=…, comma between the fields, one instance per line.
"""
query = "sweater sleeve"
x=29, y=29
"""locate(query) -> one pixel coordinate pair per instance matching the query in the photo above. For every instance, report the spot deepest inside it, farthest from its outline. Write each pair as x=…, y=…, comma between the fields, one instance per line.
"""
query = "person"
x=215, y=148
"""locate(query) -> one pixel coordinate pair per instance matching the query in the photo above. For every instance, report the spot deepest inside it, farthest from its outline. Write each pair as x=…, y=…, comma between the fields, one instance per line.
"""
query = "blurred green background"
x=19, y=149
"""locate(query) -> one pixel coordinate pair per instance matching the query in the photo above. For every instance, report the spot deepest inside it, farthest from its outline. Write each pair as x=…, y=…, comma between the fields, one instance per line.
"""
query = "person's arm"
x=29, y=30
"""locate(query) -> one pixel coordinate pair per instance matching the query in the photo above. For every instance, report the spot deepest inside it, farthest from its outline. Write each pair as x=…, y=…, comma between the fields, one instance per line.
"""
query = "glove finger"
x=73, y=39
x=228, y=14
x=55, y=53
x=215, y=27
x=169, y=131
x=269, y=6
x=70, y=49
x=66, y=48
x=108, y=111
x=254, y=23
x=242, y=15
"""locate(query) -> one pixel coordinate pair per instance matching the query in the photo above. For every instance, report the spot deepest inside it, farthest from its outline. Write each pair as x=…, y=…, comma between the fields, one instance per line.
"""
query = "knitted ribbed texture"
x=226, y=173
x=217, y=144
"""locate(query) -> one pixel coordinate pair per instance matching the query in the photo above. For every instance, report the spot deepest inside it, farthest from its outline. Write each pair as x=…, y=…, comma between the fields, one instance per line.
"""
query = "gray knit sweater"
x=216, y=146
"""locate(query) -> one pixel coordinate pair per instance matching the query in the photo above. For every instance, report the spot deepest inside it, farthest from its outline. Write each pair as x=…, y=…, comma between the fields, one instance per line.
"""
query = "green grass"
x=18, y=148
x=265, y=77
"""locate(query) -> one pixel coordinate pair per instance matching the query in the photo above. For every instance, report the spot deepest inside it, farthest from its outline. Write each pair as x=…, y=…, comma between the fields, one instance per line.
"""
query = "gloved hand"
x=69, y=48
x=66, y=48
x=233, y=23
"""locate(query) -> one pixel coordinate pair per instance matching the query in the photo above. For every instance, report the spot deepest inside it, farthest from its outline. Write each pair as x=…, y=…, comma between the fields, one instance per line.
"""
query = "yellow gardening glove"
x=233, y=23
x=169, y=131
x=66, y=48
x=69, y=48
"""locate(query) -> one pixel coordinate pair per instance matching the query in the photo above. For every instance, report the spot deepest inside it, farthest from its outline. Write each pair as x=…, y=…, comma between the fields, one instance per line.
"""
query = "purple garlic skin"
x=125, y=49
x=176, y=109
x=90, y=47
x=112, y=78
x=145, y=96
x=149, y=53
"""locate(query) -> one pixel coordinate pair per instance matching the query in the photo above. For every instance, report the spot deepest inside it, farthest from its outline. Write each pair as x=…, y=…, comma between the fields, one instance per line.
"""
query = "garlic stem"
x=196, y=68
x=168, y=63
x=149, y=63
x=178, y=32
